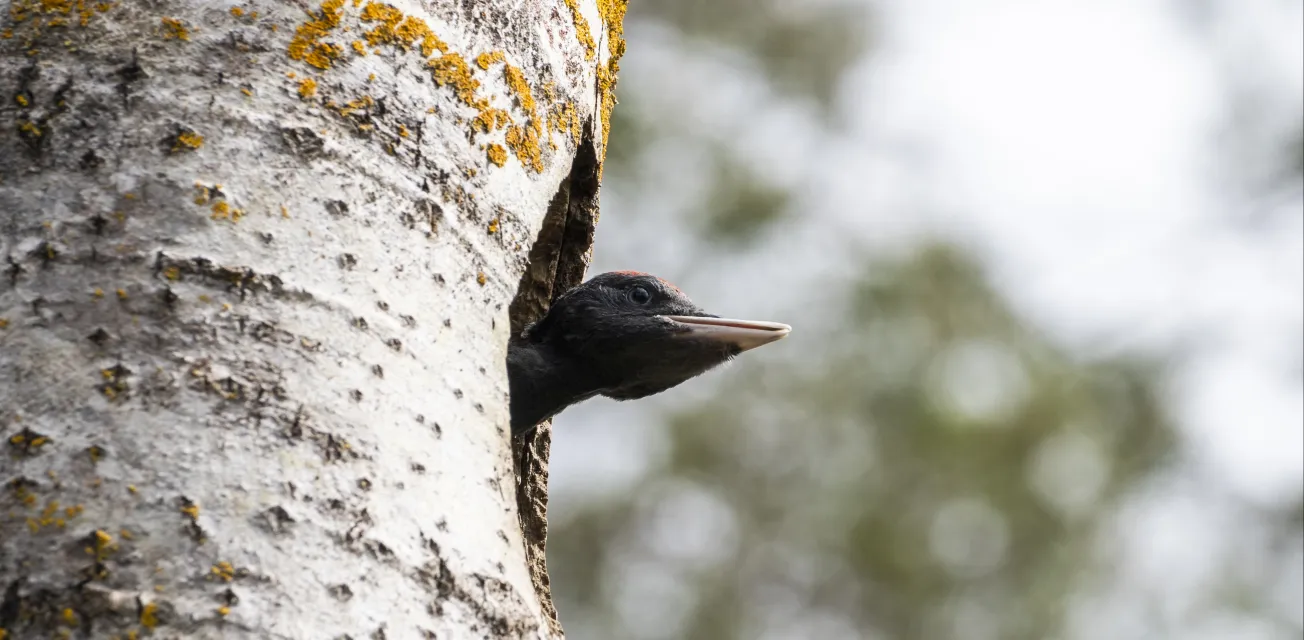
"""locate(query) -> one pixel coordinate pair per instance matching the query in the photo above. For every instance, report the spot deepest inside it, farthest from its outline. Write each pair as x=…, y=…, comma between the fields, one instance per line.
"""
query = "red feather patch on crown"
x=640, y=273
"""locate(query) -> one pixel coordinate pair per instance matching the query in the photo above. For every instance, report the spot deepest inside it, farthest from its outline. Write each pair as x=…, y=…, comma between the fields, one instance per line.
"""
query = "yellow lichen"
x=481, y=278
x=224, y=571
x=4, y=323
x=493, y=226
x=517, y=84
x=399, y=30
x=581, y=29
x=563, y=118
x=486, y=59
x=524, y=140
x=451, y=69
x=307, y=88
x=187, y=141
x=122, y=294
x=149, y=616
x=172, y=273
x=224, y=611
x=21, y=100
x=191, y=510
x=359, y=48
x=306, y=46
x=490, y=119
x=42, y=14
x=174, y=30
x=30, y=128
x=402, y=131
x=497, y=155
x=237, y=11
x=224, y=211
x=353, y=106
x=613, y=16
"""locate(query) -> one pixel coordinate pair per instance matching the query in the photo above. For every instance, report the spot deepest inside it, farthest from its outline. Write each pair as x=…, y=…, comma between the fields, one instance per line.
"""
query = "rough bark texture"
x=258, y=260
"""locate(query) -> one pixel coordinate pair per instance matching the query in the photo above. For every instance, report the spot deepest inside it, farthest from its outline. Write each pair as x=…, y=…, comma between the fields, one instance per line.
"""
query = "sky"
x=1110, y=163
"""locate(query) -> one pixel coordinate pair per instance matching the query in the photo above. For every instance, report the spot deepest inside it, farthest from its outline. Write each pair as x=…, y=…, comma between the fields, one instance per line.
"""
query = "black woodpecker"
x=623, y=335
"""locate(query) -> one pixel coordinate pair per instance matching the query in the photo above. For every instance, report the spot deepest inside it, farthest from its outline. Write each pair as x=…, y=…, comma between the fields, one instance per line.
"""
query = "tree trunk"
x=261, y=265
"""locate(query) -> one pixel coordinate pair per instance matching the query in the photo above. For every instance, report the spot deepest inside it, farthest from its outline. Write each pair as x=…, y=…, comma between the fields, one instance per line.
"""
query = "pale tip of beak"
x=744, y=334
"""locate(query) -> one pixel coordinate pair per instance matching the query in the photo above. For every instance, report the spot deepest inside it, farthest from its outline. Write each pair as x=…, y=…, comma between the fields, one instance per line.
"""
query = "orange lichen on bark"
x=307, y=88
x=563, y=118
x=53, y=13
x=224, y=211
x=490, y=119
x=613, y=16
x=224, y=571
x=174, y=30
x=399, y=30
x=581, y=29
x=149, y=616
x=306, y=46
x=497, y=154
x=524, y=140
x=187, y=141
x=485, y=60
x=451, y=69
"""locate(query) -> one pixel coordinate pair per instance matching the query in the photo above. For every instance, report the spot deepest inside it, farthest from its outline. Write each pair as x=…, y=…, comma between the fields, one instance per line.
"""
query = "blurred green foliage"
x=910, y=503
x=925, y=466
x=740, y=204
x=803, y=47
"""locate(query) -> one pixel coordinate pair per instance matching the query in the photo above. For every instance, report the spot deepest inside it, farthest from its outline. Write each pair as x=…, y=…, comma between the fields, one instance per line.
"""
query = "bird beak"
x=744, y=334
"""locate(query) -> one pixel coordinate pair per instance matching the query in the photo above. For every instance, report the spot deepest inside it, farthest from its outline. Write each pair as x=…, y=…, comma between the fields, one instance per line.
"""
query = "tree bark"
x=261, y=265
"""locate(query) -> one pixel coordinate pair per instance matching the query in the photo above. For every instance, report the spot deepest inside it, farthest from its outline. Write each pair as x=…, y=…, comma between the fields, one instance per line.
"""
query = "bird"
x=623, y=335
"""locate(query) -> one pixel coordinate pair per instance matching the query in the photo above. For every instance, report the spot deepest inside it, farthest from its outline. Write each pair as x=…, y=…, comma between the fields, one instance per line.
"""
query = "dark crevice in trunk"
x=558, y=260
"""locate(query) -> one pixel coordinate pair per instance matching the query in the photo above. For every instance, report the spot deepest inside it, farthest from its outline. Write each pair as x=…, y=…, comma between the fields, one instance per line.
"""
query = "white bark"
x=253, y=385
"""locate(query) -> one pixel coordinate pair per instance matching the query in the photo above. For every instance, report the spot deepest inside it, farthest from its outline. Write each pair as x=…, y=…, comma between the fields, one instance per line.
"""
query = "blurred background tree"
x=920, y=460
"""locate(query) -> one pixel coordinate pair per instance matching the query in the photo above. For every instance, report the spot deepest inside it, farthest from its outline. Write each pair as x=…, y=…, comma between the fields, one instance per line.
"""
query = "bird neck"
x=543, y=383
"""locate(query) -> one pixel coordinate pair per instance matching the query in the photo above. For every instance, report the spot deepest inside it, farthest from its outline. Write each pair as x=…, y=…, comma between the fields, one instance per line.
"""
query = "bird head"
x=636, y=335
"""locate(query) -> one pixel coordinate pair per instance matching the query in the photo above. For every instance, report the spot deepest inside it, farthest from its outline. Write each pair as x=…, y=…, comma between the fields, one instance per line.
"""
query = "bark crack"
x=558, y=260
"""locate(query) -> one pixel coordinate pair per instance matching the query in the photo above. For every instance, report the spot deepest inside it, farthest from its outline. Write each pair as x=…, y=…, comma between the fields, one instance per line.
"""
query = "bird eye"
x=639, y=295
